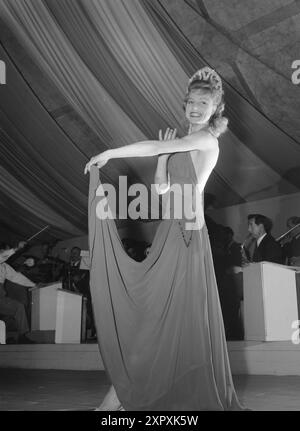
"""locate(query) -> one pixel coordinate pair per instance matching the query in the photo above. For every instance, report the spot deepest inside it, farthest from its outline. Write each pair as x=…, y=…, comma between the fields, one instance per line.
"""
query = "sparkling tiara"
x=209, y=75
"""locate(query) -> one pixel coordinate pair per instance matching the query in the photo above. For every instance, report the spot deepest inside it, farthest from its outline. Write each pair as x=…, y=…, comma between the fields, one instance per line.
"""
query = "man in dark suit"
x=267, y=249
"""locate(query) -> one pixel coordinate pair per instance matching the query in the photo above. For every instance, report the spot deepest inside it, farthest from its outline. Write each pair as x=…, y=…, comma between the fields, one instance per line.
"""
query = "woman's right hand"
x=100, y=160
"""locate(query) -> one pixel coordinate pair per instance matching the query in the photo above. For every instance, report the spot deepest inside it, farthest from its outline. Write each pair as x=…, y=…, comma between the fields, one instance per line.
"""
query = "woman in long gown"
x=159, y=321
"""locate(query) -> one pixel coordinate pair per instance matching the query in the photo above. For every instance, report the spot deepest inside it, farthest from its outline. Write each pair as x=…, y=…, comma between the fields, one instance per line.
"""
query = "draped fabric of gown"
x=159, y=322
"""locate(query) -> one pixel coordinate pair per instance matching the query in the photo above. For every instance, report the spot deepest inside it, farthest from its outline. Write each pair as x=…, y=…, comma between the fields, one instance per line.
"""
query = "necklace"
x=182, y=231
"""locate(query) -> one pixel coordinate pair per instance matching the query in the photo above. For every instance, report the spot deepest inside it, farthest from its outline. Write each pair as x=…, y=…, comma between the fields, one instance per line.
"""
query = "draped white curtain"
x=50, y=48
x=125, y=73
x=143, y=55
x=53, y=52
x=16, y=191
x=48, y=45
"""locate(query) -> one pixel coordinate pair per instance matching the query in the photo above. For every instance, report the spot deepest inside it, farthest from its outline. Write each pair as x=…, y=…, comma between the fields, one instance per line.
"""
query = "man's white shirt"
x=260, y=239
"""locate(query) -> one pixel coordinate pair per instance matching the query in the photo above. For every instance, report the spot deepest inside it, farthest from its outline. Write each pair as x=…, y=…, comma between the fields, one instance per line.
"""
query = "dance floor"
x=58, y=390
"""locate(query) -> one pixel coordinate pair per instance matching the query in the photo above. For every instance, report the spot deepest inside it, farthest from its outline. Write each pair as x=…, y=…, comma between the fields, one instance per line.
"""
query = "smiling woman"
x=204, y=101
x=159, y=322
x=199, y=106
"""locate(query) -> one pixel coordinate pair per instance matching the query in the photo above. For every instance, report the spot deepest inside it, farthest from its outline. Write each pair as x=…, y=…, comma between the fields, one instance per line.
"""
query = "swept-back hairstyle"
x=211, y=83
x=261, y=219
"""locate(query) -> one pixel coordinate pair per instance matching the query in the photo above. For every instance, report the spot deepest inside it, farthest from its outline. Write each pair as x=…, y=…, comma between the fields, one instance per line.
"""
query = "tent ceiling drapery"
x=86, y=75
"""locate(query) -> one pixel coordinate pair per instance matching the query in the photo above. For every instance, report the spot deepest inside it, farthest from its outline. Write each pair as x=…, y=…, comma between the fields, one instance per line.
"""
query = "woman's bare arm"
x=202, y=140
x=161, y=177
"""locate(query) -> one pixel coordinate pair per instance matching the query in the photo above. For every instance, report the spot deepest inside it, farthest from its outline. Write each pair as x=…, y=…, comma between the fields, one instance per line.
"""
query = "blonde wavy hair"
x=217, y=123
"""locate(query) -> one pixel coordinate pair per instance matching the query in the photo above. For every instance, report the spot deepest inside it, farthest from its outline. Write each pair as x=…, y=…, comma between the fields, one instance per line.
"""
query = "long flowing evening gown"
x=159, y=321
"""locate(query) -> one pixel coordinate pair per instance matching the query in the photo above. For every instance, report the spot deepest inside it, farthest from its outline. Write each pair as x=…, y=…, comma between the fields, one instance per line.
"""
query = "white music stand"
x=43, y=307
x=68, y=317
x=54, y=308
x=270, y=301
x=2, y=332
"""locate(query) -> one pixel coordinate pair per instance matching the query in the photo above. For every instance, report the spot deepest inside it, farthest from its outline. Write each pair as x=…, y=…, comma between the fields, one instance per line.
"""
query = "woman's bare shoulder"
x=210, y=137
x=211, y=148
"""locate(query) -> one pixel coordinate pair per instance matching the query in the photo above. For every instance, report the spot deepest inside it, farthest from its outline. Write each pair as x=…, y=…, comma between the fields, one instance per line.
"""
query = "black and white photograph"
x=149, y=209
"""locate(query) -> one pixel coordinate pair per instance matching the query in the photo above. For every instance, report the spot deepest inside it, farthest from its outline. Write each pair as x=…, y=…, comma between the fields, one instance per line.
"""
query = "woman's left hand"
x=169, y=134
x=100, y=160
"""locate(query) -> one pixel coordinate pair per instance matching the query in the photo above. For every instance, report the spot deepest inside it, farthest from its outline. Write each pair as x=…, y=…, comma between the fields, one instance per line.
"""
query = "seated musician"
x=77, y=280
x=11, y=308
x=47, y=269
x=74, y=278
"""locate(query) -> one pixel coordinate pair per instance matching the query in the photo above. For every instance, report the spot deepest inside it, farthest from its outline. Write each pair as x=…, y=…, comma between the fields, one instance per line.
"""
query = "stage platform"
x=246, y=357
